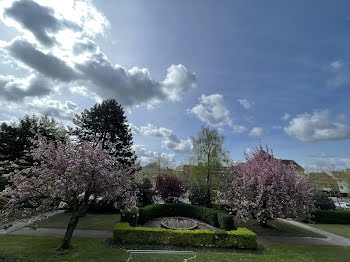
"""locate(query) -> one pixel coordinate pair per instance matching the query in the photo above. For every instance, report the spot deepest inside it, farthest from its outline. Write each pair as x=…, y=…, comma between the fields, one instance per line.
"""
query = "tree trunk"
x=70, y=229
x=77, y=212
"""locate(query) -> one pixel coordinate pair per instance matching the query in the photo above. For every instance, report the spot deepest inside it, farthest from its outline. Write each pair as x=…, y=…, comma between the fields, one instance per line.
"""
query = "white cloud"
x=322, y=161
x=146, y=156
x=56, y=44
x=212, y=110
x=317, y=127
x=245, y=103
x=62, y=111
x=169, y=139
x=239, y=129
x=256, y=131
x=337, y=64
x=286, y=116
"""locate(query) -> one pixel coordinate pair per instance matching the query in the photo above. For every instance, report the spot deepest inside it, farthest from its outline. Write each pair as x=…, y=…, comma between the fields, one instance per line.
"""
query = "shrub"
x=323, y=202
x=198, y=196
x=331, y=216
x=208, y=215
x=146, y=192
x=169, y=187
x=242, y=238
x=225, y=220
x=130, y=216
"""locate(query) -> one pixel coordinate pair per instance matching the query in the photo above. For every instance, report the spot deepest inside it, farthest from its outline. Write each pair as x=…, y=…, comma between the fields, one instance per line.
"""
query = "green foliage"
x=146, y=192
x=240, y=238
x=323, y=202
x=225, y=220
x=198, y=195
x=331, y=216
x=130, y=216
x=16, y=145
x=208, y=215
x=107, y=123
x=208, y=159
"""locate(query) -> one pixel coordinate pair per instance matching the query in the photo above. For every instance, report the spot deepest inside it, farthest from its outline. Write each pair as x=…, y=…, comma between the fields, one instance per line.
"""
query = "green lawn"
x=32, y=248
x=278, y=228
x=341, y=230
x=90, y=221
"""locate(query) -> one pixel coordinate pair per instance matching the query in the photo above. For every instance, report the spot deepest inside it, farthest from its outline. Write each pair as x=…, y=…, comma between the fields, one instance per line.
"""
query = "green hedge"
x=216, y=218
x=130, y=216
x=331, y=216
x=241, y=238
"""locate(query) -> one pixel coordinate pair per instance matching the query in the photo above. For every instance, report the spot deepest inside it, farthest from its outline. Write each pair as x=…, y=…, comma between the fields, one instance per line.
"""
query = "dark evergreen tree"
x=107, y=123
x=16, y=145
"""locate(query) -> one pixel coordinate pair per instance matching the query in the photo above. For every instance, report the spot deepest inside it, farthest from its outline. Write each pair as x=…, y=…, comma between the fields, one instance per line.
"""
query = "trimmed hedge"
x=130, y=216
x=331, y=216
x=243, y=238
x=216, y=218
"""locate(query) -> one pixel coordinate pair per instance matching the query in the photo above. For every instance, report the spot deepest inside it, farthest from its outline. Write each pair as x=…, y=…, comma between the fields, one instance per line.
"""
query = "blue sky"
x=271, y=71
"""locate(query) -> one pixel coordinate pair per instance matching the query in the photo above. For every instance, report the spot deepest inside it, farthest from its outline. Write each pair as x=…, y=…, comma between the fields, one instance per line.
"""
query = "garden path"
x=331, y=239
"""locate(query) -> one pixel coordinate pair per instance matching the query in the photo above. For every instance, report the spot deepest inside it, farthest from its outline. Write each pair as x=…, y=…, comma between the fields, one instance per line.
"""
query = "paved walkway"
x=23, y=223
x=56, y=232
x=331, y=239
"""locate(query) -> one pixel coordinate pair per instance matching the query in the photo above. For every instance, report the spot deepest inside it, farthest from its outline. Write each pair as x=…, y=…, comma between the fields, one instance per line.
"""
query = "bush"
x=146, y=192
x=323, y=202
x=169, y=187
x=331, y=216
x=130, y=216
x=198, y=196
x=216, y=218
x=242, y=238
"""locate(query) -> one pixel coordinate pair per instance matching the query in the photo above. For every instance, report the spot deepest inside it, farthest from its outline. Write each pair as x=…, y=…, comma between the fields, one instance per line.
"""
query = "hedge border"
x=214, y=217
x=241, y=238
x=331, y=216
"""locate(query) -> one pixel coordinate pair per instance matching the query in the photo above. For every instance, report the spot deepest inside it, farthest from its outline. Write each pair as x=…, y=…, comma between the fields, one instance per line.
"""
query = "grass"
x=90, y=221
x=341, y=230
x=40, y=249
x=278, y=228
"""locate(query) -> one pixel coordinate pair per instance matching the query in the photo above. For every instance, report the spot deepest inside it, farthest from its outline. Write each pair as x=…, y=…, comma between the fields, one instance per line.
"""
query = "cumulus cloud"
x=39, y=20
x=239, y=129
x=146, y=156
x=62, y=50
x=212, y=110
x=286, y=116
x=256, y=131
x=16, y=89
x=134, y=86
x=46, y=64
x=169, y=139
x=245, y=103
x=54, y=108
x=317, y=127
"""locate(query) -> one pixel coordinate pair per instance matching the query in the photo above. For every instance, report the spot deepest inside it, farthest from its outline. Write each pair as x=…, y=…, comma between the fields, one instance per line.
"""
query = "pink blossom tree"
x=69, y=172
x=263, y=188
